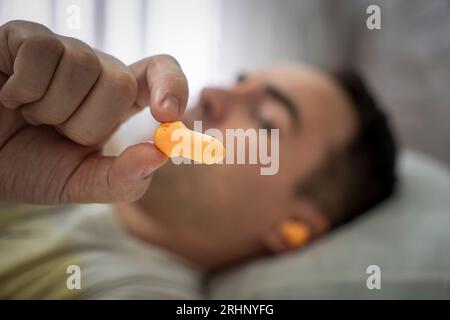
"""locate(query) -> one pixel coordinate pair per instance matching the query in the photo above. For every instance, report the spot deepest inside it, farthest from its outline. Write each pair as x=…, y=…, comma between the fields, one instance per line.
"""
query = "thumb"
x=114, y=179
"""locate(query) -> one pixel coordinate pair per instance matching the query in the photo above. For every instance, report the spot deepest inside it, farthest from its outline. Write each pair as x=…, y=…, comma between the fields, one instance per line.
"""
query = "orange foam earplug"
x=295, y=233
x=174, y=139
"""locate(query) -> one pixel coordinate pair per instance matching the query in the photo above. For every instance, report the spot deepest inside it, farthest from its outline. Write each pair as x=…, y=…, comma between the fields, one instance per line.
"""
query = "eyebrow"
x=286, y=102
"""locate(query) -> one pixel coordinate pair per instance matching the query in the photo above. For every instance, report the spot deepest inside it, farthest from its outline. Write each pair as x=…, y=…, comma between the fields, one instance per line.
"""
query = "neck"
x=198, y=249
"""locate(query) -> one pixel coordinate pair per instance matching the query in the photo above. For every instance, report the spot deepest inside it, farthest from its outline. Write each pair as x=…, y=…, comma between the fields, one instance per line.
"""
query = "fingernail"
x=158, y=159
x=149, y=171
x=171, y=107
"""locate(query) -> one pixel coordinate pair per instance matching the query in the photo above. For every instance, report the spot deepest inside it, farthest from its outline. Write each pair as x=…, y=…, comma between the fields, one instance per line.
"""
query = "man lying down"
x=60, y=101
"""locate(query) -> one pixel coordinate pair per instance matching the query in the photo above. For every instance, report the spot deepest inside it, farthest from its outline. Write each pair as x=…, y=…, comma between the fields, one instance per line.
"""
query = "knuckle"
x=78, y=135
x=25, y=32
x=26, y=25
x=42, y=49
x=172, y=69
x=166, y=58
x=124, y=84
x=46, y=43
x=25, y=94
x=163, y=61
x=89, y=62
x=49, y=117
x=14, y=25
x=178, y=78
x=83, y=57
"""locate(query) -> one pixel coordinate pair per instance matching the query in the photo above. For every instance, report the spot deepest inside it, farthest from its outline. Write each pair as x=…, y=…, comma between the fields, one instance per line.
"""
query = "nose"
x=216, y=103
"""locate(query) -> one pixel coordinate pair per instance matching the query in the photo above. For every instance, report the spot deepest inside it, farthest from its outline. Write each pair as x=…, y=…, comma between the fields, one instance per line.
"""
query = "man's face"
x=234, y=203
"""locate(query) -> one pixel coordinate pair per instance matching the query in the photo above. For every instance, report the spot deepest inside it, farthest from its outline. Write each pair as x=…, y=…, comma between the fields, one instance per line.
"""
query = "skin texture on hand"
x=60, y=101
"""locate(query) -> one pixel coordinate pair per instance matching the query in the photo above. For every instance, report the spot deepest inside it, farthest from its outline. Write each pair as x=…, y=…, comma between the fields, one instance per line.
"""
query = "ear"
x=305, y=223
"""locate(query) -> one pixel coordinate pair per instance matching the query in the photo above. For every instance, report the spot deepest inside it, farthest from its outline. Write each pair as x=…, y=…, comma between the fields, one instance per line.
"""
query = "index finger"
x=162, y=85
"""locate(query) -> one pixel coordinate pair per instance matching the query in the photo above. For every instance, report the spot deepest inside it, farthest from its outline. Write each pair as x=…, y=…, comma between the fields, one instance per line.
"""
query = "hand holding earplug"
x=60, y=101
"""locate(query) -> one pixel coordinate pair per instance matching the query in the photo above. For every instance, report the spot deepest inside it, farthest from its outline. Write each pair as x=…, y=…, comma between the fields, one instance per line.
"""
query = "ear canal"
x=295, y=233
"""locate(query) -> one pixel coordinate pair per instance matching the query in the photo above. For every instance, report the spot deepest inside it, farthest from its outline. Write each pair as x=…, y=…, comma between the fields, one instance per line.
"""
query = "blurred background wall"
x=407, y=62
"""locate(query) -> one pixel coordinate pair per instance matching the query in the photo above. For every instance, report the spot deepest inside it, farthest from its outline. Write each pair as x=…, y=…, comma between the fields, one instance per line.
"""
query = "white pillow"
x=408, y=237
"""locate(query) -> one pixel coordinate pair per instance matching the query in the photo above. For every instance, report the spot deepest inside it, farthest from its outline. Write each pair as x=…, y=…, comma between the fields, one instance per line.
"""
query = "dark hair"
x=363, y=173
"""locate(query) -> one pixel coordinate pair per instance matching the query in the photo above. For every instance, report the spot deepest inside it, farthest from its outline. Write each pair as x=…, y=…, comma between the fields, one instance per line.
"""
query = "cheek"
x=297, y=162
x=258, y=199
x=239, y=186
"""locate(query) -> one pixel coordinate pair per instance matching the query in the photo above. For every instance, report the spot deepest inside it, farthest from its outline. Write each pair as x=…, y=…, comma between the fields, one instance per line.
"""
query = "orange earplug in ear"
x=295, y=233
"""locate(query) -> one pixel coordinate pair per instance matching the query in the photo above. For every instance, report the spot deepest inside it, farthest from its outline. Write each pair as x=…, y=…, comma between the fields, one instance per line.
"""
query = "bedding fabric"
x=408, y=237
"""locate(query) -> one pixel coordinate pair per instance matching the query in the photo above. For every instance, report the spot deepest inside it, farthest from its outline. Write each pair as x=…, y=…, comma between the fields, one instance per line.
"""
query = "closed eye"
x=265, y=124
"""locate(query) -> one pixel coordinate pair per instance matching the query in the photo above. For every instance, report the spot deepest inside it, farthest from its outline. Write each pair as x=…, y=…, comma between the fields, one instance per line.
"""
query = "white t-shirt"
x=45, y=247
